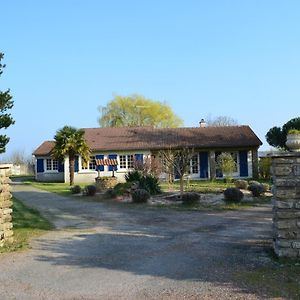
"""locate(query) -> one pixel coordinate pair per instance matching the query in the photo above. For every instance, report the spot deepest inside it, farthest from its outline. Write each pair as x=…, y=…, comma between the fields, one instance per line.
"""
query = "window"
x=51, y=164
x=122, y=161
x=130, y=161
x=195, y=164
x=91, y=164
x=126, y=161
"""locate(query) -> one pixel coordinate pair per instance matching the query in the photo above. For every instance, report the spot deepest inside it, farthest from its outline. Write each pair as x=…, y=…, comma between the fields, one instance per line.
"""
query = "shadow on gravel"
x=177, y=245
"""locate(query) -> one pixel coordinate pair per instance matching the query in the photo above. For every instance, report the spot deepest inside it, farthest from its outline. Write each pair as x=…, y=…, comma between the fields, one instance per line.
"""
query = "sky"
x=66, y=58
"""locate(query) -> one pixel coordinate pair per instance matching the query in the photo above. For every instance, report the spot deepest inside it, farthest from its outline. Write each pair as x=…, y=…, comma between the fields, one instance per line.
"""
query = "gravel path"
x=122, y=251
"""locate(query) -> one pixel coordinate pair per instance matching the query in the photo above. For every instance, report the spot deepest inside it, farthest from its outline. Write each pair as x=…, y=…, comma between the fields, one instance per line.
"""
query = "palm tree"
x=70, y=142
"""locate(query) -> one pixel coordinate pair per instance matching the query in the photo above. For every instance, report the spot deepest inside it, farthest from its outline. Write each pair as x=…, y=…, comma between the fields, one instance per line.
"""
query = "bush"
x=90, y=190
x=122, y=188
x=241, y=184
x=264, y=167
x=233, y=195
x=253, y=182
x=104, y=183
x=190, y=198
x=266, y=187
x=76, y=189
x=133, y=176
x=150, y=183
x=140, y=196
x=256, y=188
x=110, y=193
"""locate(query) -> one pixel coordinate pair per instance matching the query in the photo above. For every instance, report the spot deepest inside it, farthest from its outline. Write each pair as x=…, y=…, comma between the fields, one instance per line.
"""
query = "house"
x=125, y=145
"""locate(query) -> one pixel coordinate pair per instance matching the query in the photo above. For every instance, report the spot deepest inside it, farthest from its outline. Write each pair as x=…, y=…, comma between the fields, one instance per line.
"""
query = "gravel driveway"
x=122, y=251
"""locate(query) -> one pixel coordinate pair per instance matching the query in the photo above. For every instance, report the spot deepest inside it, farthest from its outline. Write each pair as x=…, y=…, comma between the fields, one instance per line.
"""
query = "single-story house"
x=126, y=145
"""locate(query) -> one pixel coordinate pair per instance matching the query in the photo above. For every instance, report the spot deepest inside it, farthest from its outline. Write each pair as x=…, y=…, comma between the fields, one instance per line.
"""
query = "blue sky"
x=66, y=58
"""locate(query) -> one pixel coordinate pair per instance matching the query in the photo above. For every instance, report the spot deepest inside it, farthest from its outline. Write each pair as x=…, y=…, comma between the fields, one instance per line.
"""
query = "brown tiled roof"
x=145, y=138
x=44, y=149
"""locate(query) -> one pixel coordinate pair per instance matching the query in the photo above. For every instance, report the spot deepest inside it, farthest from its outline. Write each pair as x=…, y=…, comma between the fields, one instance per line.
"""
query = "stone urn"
x=293, y=140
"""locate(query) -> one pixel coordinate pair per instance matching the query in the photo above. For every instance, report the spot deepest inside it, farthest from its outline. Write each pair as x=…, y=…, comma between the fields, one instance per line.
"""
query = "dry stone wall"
x=286, y=217
x=6, y=231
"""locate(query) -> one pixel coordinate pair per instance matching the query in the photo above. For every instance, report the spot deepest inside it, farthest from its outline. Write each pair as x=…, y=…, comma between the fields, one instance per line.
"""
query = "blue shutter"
x=100, y=167
x=243, y=163
x=112, y=156
x=76, y=167
x=61, y=166
x=40, y=165
x=219, y=172
x=139, y=157
x=203, y=164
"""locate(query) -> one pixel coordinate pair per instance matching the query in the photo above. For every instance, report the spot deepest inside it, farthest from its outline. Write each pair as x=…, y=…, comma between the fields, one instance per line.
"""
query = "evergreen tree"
x=6, y=103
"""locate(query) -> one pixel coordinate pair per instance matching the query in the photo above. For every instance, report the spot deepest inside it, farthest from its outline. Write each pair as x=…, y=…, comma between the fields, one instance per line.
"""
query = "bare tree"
x=177, y=162
x=221, y=121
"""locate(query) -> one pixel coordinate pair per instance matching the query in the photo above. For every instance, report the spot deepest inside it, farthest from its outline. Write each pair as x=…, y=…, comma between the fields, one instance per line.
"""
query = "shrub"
x=256, y=188
x=140, y=196
x=133, y=176
x=122, y=188
x=190, y=198
x=233, y=195
x=241, y=184
x=110, y=193
x=150, y=183
x=266, y=187
x=227, y=164
x=253, y=182
x=76, y=189
x=90, y=190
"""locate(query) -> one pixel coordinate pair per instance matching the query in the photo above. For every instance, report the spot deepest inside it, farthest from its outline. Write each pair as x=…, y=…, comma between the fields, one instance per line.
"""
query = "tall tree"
x=6, y=103
x=70, y=142
x=136, y=110
x=276, y=136
x=221, y=121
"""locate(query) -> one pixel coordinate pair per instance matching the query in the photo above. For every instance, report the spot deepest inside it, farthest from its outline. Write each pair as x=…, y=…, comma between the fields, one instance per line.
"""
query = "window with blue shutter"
x=40, y=165
x=100, y=167
x=139, y=157
x=203, y=164
x=61, y=166
x=76, y=166
x=112, y=168
x=243, y=163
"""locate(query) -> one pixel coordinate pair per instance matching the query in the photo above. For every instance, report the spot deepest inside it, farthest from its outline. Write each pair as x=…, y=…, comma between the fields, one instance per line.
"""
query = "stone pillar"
x=6, y=232
x=254, y=155
x=286, y=211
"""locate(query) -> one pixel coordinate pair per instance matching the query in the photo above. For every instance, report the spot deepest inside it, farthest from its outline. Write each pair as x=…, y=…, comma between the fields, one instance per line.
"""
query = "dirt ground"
x=122, y=251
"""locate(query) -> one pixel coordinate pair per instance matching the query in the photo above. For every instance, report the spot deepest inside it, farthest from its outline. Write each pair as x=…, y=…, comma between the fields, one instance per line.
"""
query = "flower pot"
x=293, y=142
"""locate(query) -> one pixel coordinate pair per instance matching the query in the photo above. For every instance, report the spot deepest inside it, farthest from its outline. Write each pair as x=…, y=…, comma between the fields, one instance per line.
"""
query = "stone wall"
x=6, y=232
x=286, y=217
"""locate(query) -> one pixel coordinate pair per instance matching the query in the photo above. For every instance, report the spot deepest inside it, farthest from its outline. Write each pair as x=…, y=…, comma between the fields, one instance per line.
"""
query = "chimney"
x=202, y=123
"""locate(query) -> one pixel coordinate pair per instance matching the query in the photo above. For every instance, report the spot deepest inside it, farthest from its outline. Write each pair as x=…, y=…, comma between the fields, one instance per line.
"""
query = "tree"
x=177, y=162
x=276, y=136
x=136, y=110
x=70, y=142
x=6, y=103
x=226, y=163
x=221, y=121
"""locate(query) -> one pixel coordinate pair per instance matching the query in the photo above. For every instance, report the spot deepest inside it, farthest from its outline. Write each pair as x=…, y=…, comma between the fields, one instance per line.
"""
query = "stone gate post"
x=286, y=210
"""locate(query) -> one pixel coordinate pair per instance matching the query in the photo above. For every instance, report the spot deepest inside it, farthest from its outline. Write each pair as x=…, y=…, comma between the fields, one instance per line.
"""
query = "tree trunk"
x=71, y=168
x=181, y=185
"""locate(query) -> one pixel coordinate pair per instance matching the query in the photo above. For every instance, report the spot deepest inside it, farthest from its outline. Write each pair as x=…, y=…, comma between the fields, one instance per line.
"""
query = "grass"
x=27, y=223
x=200, y=186
x=281, y=279
x=53, y=187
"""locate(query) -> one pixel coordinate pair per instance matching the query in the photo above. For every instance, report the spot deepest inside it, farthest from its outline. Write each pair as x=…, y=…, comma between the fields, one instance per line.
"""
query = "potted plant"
x=293, y=140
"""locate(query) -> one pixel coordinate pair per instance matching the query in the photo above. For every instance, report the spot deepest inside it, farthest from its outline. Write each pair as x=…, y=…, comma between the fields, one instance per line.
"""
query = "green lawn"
x=200, y=186
x=27, y=223
x=53, y=187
